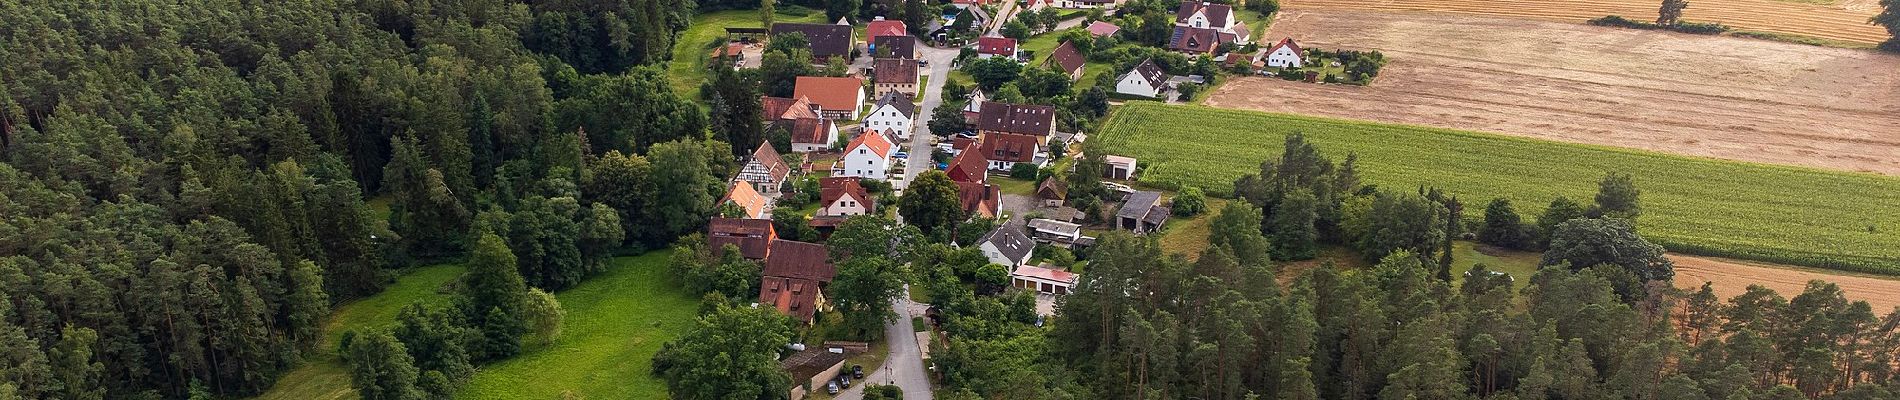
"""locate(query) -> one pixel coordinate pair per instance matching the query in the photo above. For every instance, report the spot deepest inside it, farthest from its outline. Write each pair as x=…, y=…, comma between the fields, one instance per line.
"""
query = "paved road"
x=904, y=366
x=1003, y=14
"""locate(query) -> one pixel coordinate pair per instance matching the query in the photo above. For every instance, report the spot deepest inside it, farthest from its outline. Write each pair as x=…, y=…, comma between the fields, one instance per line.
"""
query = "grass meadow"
x=1789, y=215
x=323, y=376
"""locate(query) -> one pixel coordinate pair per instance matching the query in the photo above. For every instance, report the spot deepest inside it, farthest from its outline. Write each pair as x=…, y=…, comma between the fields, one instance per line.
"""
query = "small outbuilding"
x=1119, y=168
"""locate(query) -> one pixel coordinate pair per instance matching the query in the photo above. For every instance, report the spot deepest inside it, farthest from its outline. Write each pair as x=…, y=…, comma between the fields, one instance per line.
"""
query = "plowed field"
x=1844, y=20
x=1721, y=97
x=1731, y=278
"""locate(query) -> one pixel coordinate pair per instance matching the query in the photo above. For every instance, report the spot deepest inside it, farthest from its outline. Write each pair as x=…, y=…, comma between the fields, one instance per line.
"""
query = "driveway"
x=905, y=365
x=933, y=96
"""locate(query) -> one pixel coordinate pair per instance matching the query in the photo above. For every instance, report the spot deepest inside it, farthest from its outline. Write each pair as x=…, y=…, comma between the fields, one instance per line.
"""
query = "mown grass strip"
x=1789, y=215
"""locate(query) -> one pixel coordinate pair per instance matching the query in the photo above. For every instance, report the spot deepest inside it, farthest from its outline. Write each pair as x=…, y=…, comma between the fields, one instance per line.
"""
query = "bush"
x=1023, y=171
x=1699, y=28
x=1190, y=202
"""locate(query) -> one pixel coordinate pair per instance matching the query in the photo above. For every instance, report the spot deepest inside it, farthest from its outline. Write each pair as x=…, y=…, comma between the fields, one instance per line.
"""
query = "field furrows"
x=1846, y=21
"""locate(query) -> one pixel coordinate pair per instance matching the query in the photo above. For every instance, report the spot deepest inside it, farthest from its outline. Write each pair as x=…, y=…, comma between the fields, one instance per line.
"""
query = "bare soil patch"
x=1711, y=96
x=1844, y=20
x=1730, y=278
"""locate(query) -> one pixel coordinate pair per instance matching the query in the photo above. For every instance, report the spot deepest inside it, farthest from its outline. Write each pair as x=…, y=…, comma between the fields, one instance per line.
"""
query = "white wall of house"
x=863, y=163
x=845, y=205
x=905, y=88
x=760, y=178
x=1284, y=57
x=1086, y=3
x=888, y=119
x=1135, y=84
x=996, y=256
x=831, y=139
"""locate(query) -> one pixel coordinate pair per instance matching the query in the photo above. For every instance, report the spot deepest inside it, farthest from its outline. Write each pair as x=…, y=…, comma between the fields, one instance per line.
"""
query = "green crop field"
x=615, y=324
x=1788, y=215
x=324, y=376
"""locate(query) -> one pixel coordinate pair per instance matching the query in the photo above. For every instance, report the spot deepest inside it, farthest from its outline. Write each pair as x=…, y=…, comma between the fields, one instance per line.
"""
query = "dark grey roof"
x=1158, y=215
x=895, y=46
x=1054, y=226
x=1139, y=205
x=1153, y=73
x=826, y=39
x=1011, y=240
x=899, y=100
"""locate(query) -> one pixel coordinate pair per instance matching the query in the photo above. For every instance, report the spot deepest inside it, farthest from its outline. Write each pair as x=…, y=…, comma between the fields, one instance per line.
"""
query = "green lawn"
x=1520, y=264
x=1779, y=214
x=324, y=376
x=687, y=71
x=1014, y=186
x=615, y=323
x=1258, y=23
x=1188, y=236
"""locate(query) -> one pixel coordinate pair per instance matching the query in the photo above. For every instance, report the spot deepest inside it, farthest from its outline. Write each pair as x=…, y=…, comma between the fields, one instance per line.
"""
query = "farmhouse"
x=1146, y=80
x=836, y=98
x=1043, y=280
x=843, y=197
x=1219, y=17
x=794, y=277
x=881, y=27
x=811, y=130
x=893, y=113
x=1067, y=59
x=765, y=170
x=980, y=200
x=868, y=156
x=754, y=237
x=1021, y=119
x=827, y=40
x=1286, y=54
x=1052, y=192
x=894, y=47
x=1119, y=168
x=894, y=75
x=1005, y=150
x=1007, y=246
x=1142, y=213
x=748, y=201
x=1103, y=29
x=995, y=46
x=969, y=166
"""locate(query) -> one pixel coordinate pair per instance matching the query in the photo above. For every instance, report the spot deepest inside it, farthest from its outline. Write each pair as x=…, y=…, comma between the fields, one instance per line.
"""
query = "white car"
x=1117, y=187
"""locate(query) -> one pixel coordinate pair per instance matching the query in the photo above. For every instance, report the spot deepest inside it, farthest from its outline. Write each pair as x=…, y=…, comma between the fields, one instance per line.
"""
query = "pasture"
x=323, y=376
x=616, y=322
x=1842, y=20
x=1758, y=212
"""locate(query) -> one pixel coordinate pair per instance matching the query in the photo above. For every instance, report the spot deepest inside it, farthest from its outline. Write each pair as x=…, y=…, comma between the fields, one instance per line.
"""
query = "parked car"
x=831, y=387
x=903, y=154
x=1117, y=187
x=857, y=371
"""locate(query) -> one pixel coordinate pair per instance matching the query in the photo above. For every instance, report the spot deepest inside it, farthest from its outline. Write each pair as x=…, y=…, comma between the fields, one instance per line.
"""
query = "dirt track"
x=1731, y=278
x=1845, y=20
x=1722, y=97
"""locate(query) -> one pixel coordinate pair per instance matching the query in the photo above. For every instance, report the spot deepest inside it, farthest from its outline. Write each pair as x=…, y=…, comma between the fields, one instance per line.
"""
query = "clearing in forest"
x=1842, y=20
x=1722, y=97
x=1779, y=214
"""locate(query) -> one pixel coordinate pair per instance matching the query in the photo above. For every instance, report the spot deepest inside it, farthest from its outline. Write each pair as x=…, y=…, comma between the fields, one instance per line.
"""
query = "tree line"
x=190, y=187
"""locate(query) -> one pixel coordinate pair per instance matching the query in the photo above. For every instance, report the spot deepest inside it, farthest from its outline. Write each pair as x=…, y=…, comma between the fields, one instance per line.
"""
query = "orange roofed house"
x=794, y=278
x=980, y=200
x=811, y=130
x=741, y=196
x=837, y=98
x=753, y=237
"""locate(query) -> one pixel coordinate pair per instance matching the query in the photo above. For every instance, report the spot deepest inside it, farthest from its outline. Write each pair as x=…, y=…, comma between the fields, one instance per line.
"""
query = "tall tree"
x=425, y=212
x=1889, y=17
x=1294, y=235
x=689, y=183
x=1502, y=226
x=1671, y=12
x=932, y=203
x=1617, y=197
x=731, y=352
x=1561, y=210
x=863, y=290
x=492, y=297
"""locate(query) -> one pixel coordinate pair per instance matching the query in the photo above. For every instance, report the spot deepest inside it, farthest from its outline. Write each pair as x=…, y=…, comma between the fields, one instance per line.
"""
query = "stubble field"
x=1843, y=20
x=1722, y=97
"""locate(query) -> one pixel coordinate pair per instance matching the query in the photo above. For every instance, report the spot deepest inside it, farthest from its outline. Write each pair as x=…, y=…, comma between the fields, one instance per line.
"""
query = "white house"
x=843, y=196
x=1205, y=15
x=766, y=170
x=1145, y=80
x=1043, y=280
x=868, y=156
x=893, y=113
x=1286, y=54
x=1007, y=246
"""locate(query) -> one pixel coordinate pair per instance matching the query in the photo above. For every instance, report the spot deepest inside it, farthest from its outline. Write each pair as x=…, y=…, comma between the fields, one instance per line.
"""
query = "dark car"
x=857, y=371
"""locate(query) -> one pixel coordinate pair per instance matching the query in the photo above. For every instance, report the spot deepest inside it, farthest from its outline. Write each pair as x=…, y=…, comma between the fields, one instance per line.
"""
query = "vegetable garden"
x=1780, y=214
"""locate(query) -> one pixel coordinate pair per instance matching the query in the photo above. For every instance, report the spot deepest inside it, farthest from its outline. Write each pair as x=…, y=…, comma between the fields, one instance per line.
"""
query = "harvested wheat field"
x=1710, y=96
x=1843, y=20
x=1730, y=278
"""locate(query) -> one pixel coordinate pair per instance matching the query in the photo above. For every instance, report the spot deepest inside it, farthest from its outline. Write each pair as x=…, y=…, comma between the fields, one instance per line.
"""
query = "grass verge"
x=1801, y=39
x=1778, y=214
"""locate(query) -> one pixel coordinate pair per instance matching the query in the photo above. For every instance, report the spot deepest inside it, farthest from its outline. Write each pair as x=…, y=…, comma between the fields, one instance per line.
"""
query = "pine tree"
x=1294, y=235
x=381, y=369
x=492, y=299
x=306, y=305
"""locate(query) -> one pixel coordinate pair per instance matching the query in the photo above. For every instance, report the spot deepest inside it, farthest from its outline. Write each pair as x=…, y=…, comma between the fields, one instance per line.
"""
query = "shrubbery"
x=1700, y=28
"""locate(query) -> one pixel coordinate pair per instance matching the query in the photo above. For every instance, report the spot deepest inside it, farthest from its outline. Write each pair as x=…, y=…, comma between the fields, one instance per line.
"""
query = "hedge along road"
x=1779, y=214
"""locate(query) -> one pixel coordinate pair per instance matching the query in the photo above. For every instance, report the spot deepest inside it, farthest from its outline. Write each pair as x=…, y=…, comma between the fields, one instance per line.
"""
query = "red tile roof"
x=1100, y=28
x=795, y=297
x=741, y=193
x=1288, y=43
x=773, y=162
x=970, y=166
x=832, y=188
x=831, y=93
x=995, y=45
x=799, y=260
x=894, y=70
x=979, y=199
x=1009, y=147
x=753, y=236
x=886, y=28
x=787, y=108
x=1030, y=271
x=1066, y=58
x=873, y=139
x=1216, y=13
